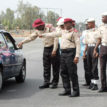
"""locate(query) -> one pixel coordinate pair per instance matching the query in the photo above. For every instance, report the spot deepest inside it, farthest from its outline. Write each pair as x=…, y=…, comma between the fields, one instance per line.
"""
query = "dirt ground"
x=20, y=33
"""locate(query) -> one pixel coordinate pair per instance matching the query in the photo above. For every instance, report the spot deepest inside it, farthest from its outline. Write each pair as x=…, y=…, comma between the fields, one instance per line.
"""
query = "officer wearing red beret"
x=50, y=55
x=70, y=51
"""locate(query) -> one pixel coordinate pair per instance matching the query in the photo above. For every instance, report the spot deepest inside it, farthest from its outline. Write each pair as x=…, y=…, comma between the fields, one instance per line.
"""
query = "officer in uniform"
x=92, y=61
x=50, y=55
x=87, y=74
x=102, y=39
x=70, y=51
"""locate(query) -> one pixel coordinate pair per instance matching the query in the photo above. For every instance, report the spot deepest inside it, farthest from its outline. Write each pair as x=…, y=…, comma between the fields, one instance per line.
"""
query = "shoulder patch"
x=75, y=30
x=49, y=25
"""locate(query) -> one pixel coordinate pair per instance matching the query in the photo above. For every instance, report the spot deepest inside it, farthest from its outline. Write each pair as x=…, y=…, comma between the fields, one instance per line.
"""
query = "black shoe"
x=75, y=94
x=65, y=93
x=102, y=90
x=95, y=87
x=91, y=86
x=44, y=86
x=54, y=86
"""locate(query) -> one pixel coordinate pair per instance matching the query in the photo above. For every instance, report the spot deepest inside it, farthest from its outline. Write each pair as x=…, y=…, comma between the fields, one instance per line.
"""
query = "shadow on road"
x=13, y=90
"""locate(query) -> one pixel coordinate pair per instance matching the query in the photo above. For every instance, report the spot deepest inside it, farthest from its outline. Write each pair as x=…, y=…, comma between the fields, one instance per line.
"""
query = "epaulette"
x=74, y=30
x=49, y=25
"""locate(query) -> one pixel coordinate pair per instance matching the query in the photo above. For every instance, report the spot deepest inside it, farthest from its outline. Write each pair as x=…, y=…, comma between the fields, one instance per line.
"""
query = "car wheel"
x=1, y=80
x=21, y=77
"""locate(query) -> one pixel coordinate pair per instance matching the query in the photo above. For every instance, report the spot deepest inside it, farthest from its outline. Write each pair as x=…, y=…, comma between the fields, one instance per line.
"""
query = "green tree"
x=7, y=18
x=52, y=17
x=28, y=13
x=25, y=15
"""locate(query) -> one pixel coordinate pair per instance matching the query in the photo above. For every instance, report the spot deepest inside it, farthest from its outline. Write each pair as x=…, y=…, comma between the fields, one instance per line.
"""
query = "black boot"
x=75, y=94
x=54, y=86
x=91, y=86
x=45, y=85
x=65, y=93
x=95, y=87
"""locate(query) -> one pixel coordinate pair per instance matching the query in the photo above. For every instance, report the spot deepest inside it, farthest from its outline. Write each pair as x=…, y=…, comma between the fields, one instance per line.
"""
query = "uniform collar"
x=93, y=29
x=71, y=30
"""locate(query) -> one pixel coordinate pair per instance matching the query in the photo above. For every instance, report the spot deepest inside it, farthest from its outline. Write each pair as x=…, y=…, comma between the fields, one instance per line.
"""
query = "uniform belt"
x=91, y=45
x=68, y=50
x=49, y=47
x=104, y=44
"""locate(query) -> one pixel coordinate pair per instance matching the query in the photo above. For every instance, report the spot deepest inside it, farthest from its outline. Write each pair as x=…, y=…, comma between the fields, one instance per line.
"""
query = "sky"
x=78, y=10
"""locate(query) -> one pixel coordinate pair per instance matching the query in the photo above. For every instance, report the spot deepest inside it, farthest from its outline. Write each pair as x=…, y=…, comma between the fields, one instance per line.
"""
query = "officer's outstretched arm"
x=52, y=34
x=32, y=37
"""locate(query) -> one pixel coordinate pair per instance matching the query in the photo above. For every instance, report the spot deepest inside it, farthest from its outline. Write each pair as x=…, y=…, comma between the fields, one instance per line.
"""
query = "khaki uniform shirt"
x=69, y=39
x=47, y=41
x=58, y=29
x=90, y=36
x=102, y=33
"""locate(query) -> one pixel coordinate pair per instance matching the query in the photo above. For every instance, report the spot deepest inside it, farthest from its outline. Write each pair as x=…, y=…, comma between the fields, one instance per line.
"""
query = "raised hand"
x=20, y=44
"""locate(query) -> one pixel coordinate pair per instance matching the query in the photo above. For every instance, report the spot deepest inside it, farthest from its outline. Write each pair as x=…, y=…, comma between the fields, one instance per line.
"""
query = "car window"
x=9, y=42
x=2, y=42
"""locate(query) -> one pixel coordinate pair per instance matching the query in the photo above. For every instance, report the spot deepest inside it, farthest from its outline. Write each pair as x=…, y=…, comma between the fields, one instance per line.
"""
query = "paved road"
x=28, y=94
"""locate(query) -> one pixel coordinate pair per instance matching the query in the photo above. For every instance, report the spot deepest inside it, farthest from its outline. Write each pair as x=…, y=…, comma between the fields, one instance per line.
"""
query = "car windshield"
x=2, y=42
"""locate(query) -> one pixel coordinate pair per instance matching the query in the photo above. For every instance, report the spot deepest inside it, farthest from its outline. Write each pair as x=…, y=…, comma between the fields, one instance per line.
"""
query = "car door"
x=15, y=62
x=5, y=57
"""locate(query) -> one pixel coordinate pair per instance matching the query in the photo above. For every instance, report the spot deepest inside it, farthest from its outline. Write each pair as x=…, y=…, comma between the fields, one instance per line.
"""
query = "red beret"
x=38, y=22
x=67, y=20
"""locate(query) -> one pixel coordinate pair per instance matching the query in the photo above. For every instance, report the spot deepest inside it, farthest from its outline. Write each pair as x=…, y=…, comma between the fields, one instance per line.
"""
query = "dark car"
x=12, y=61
